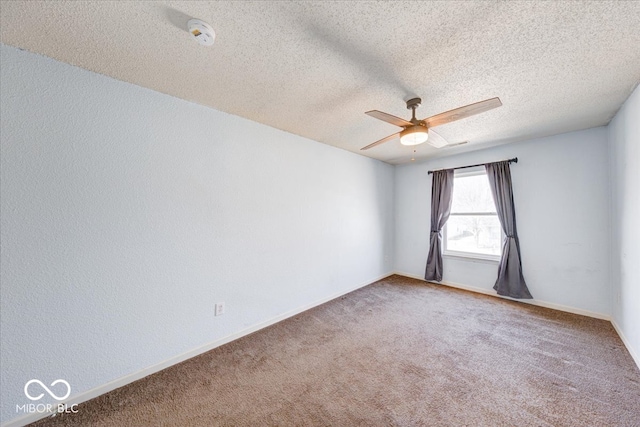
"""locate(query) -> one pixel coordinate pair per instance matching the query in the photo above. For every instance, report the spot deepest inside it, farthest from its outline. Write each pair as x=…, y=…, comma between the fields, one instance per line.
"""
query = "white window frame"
x=469, y=255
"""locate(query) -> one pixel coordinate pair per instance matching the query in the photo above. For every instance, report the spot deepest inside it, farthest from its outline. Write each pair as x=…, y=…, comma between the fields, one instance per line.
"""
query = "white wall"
x=560, y=186
x=624, y=147
x=126, y=214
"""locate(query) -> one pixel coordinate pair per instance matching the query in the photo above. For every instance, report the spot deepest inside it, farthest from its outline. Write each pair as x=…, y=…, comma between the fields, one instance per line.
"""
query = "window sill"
x=465, y=256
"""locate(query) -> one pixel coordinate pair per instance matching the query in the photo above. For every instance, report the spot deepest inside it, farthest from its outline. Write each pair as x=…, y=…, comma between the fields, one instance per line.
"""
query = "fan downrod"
x=412, y=104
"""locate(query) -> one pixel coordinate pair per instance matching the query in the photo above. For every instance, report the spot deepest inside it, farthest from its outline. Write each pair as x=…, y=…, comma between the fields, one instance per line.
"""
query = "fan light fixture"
x=414, y=135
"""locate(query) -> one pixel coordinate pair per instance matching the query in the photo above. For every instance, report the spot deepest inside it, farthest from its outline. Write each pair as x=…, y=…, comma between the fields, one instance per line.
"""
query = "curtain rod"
x=514, y=160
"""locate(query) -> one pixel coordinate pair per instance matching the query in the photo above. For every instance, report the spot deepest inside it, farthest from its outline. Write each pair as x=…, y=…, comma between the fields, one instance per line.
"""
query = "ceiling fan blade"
x=462, y=112
x=388, y=118
x=455, y=144
x=436, y=140
x=381, y=141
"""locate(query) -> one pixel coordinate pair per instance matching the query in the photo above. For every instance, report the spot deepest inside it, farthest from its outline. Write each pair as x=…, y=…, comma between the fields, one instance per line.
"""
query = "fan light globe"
x=414, y=135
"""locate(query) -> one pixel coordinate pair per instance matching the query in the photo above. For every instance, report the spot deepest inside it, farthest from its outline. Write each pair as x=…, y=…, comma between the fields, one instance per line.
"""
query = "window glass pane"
x=478, y=234
x=472, y=194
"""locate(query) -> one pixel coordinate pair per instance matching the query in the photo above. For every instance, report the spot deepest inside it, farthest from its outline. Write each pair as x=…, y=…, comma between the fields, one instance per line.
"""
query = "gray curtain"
x=510, y=280
x=441, y=191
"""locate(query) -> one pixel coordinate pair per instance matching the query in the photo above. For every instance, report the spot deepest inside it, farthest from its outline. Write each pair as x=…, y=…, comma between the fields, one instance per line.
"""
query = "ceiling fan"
x=418, y=131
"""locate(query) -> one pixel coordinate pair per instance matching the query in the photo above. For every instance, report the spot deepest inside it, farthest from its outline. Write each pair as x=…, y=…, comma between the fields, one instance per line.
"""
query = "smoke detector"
x=201, y=32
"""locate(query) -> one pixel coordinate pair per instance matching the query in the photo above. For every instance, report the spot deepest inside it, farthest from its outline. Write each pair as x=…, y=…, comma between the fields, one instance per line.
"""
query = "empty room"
x=323, y=213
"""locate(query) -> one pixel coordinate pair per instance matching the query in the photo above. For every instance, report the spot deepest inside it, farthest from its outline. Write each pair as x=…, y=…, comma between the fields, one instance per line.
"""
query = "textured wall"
x=624, y=145
x=561, y=195
x=126, y=214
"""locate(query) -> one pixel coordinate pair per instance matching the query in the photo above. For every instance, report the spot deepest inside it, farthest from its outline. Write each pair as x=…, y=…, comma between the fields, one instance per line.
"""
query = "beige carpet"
x=396, y=353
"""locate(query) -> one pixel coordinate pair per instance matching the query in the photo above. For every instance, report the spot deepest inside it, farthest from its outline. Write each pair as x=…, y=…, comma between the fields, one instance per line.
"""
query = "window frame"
x=470, y=255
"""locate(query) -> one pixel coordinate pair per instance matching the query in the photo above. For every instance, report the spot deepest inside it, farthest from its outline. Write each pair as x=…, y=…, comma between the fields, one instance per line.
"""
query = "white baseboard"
x=127, y=379
x=526, y=301
x=625, y=341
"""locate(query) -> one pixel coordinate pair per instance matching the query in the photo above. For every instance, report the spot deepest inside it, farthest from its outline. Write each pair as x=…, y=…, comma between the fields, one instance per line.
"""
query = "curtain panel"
x=510, y=280
x=441, y=197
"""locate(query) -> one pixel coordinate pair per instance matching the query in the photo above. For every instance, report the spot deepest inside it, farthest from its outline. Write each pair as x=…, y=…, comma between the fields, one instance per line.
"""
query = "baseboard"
x=625, y=341
x=127, y=379
x=539, y=303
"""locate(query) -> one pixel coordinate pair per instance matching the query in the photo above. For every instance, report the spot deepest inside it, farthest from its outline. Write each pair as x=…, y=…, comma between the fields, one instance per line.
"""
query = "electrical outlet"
x=219, y=308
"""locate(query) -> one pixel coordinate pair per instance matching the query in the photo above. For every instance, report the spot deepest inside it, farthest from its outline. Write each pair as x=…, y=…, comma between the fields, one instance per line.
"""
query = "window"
x=473, y=229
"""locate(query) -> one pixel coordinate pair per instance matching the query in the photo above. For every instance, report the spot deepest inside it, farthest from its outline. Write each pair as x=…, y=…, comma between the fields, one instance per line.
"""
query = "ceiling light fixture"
x=414, y=135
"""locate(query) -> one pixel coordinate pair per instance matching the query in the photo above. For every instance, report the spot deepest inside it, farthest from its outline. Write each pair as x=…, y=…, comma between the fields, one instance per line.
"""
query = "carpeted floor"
x=396, y=353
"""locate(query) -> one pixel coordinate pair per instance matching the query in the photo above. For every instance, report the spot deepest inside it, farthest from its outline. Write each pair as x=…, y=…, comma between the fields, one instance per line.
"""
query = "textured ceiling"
x=314, y=68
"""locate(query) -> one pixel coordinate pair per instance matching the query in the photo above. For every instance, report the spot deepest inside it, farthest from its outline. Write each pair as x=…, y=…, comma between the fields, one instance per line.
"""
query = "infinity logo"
x=38, y=397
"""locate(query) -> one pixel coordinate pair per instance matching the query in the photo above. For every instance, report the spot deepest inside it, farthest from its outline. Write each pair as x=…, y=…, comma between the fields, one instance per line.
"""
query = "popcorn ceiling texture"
x=314, y=68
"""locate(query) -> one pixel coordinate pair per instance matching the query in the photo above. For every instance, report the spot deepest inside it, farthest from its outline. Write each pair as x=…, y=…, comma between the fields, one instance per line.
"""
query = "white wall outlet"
x=219, y=308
